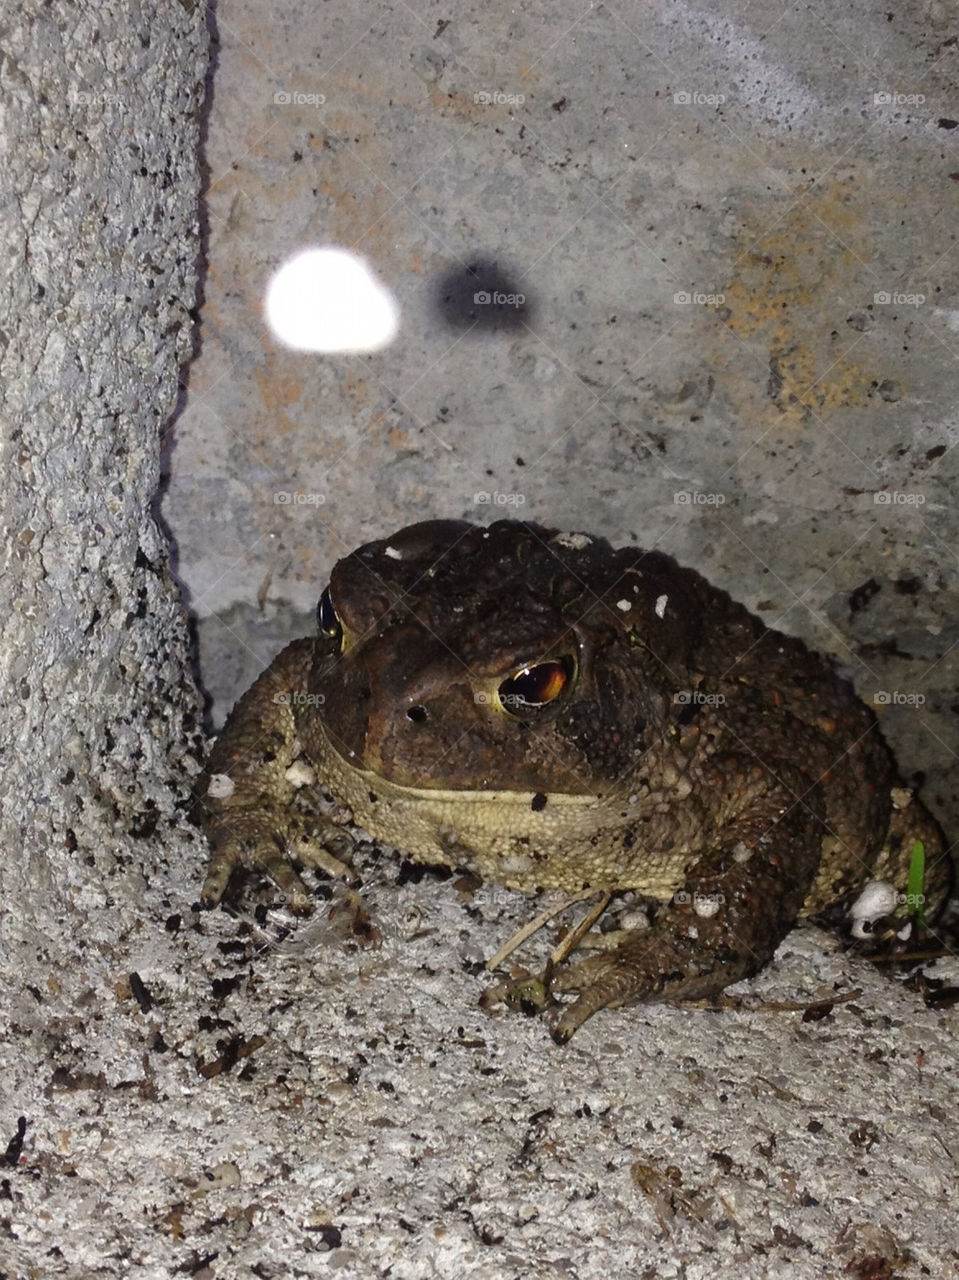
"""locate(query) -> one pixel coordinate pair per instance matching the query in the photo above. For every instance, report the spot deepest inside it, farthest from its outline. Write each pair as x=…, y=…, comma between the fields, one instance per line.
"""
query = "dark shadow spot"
x=483, y=296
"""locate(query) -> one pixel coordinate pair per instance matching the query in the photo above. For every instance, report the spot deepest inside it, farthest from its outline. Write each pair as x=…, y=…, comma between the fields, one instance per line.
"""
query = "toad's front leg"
x=739, y=901
x=243, y=797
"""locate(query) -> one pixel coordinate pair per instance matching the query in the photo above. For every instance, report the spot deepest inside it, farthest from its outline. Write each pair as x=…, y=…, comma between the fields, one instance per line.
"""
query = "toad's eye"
x=536, y=686
x=326, y=618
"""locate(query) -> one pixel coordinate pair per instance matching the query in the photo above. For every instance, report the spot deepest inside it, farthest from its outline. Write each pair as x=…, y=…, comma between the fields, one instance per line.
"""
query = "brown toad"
x=552, y=713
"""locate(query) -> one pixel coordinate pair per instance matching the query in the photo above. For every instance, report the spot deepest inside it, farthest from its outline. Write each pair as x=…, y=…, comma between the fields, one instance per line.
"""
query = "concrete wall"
x=98, y=274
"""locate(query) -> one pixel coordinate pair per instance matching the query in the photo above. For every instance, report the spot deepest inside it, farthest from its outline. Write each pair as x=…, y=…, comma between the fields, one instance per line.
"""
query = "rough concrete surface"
x=100, y=722
x=225, y=1095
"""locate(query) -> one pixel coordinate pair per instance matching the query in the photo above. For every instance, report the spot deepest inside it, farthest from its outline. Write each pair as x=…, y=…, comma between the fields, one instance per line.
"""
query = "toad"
x=551, y=713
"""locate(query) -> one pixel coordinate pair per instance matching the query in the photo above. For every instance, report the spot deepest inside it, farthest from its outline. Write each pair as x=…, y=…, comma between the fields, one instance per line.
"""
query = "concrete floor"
x=735, y=232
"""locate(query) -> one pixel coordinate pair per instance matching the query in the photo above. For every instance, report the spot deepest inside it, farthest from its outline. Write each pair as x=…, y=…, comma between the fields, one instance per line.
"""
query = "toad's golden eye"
x=536, y=686
x=326, y=618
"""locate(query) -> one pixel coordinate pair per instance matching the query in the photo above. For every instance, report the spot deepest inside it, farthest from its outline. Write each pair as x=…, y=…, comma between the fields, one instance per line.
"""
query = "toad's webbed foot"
x=270, y=841
x=244, y=799
x=738, y=902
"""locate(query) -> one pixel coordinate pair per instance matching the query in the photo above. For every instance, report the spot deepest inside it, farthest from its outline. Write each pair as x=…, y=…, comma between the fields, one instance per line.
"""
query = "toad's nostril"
x=417, y=714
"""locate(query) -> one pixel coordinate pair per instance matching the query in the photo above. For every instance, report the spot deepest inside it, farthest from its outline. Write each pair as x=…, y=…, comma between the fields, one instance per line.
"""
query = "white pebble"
x=879, y=898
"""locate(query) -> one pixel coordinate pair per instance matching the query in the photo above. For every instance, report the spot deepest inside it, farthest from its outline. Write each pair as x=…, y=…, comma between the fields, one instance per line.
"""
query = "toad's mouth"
x=526, y=840
x=351, y=774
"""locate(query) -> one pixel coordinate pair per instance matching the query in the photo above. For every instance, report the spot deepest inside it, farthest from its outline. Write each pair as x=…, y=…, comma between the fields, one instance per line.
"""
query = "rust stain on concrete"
x=794, y=284
x=356, y=390
x=359, y=207
x=279, y=389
